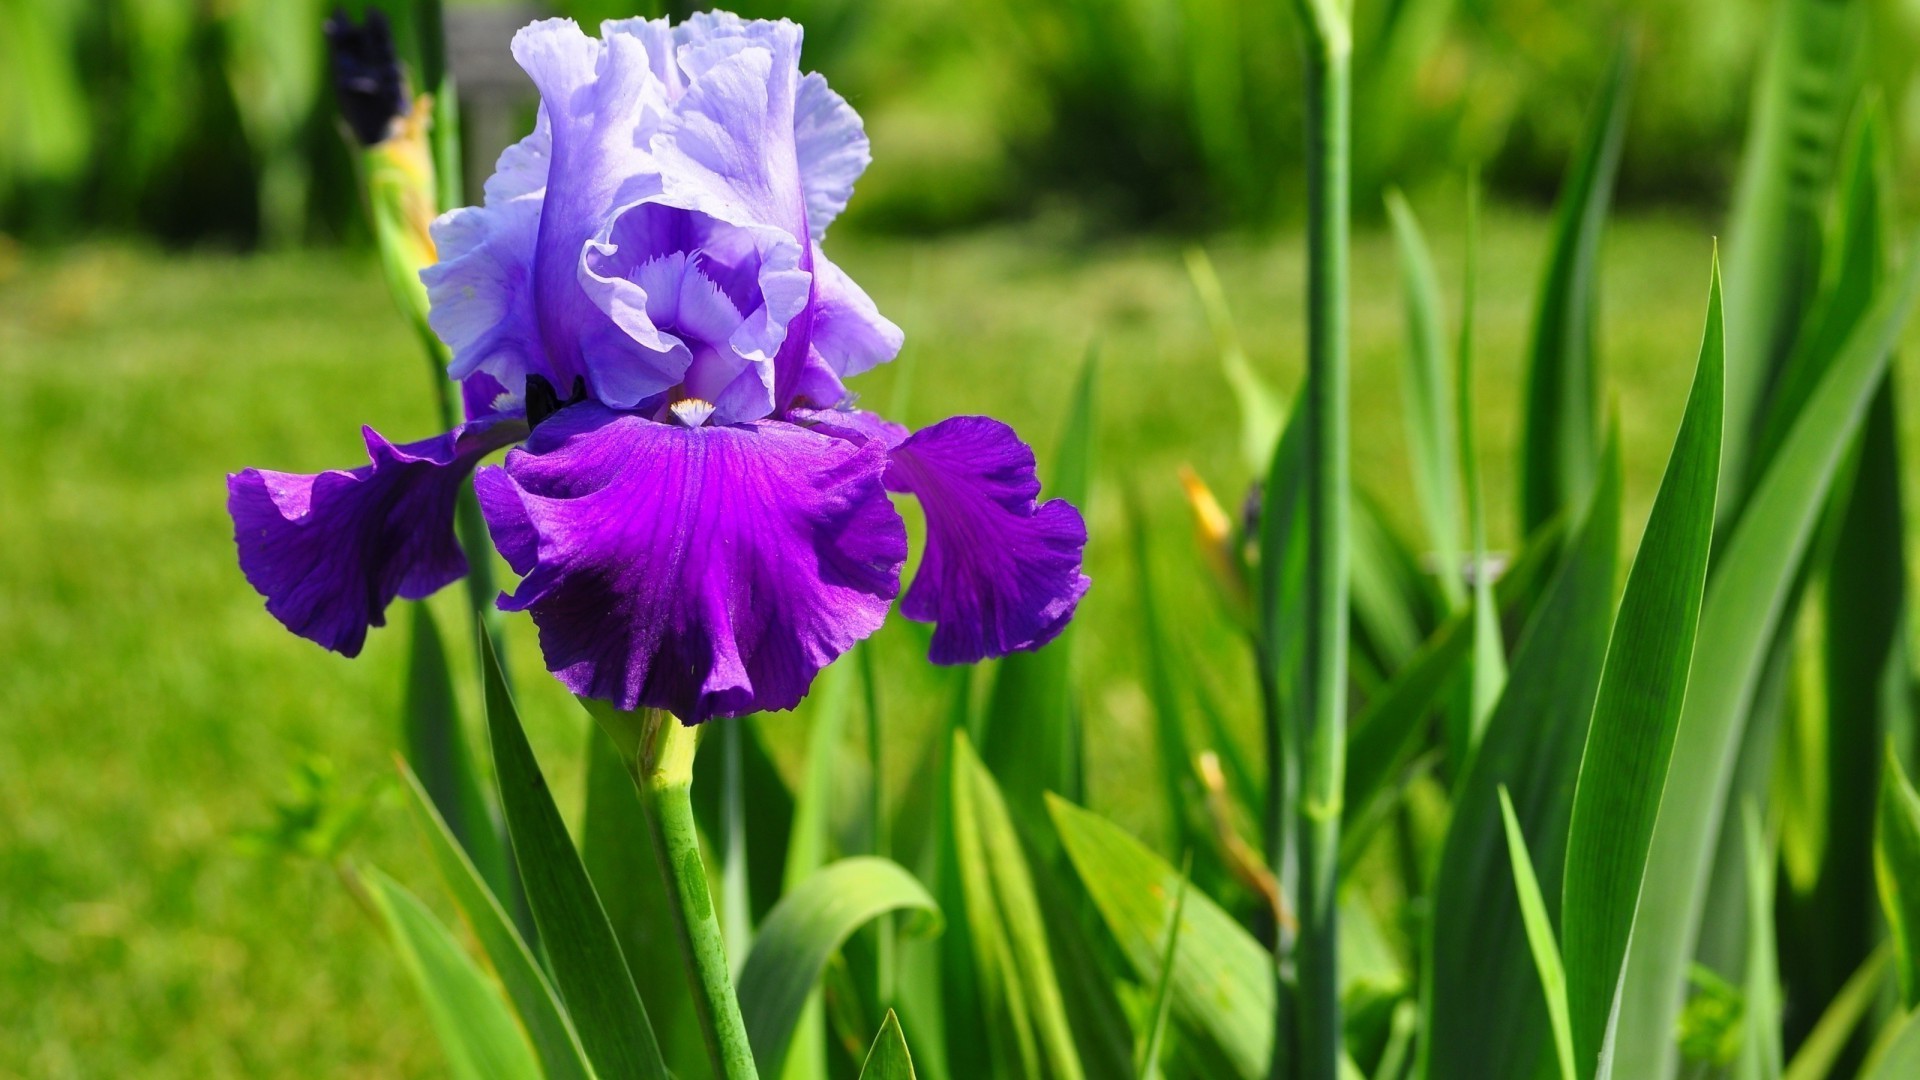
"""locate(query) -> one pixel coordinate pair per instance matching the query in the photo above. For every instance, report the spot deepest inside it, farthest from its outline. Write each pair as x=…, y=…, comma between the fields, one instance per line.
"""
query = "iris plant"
x=699, y=513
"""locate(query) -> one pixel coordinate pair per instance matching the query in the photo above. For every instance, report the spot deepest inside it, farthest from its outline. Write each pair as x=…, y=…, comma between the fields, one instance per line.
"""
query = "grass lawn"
x=150, y=711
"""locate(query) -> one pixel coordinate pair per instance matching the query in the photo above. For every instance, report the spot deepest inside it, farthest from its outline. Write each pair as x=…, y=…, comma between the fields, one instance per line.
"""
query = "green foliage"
x=1896, y=863
x=1629, y=742
x=805, y=929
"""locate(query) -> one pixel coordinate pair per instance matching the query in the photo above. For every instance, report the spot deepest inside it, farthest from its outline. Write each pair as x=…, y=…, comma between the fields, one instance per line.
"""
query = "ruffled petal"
x=999, y=573
x=331, y=550
x=832, y=149
x=849, y=333
x=481, y=290
x=708, y=571
x=603, y=103
x=727, y=148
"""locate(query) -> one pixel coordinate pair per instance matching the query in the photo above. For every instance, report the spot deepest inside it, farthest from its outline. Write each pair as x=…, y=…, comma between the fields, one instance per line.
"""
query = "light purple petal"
x=708, y=571
x=331, y=550
x=999, y=573
x=849, y=332
x=832, y=149
x=727, y=147
x=481, y=289
x=855, y=424
x=603, y=102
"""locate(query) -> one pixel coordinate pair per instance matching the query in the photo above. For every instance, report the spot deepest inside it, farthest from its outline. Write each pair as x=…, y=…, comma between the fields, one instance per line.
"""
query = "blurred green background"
x=185, y=289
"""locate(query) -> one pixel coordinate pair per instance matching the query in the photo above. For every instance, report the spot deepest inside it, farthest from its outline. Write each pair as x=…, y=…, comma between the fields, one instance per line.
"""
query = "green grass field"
x=150, y=711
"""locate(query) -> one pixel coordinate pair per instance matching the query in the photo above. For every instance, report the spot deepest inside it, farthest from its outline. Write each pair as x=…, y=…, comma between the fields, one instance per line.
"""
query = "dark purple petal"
x=331, y=550
x=999, y=573
x=855, y=424
x=708, y=571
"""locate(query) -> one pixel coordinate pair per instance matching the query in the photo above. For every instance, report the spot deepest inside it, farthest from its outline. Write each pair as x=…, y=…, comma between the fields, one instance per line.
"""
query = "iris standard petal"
x=849, y=333
x=709, y=571
x=999, y=572
x=331, y=550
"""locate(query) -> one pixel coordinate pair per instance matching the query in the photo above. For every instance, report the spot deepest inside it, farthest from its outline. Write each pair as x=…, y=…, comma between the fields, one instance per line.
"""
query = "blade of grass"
x=1559, y=444
x=1540, y=939
x=1489, y=648
x=474, y=1026
x=1760, y=1052
x=1630, y=740
x=1820, y=1052
x=1484, y=1015
x=533, y=997
x=1802, y=98
x=1896, y=864
x=888, y=1059
x=1898, y=1057
x=1746, y=596
x=1222, y=985
x=1262, y=412
x=806, y=928
x=1432, y=442
x=588, y=968
x=1147, y=1065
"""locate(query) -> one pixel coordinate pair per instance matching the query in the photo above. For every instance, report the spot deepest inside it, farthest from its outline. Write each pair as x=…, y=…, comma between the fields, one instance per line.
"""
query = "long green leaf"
x=475, y=1028
x=1262, y=412
x=1431, y=437
x=1485, y=1016
x=805, y=929
x=527, y=987
x=1821, y=1050
x=888, y=1059
x=1746, y=598
x=1630, y=741
x=1223, y=986
x=588, y=968
x=1760, y=1053
x=615, y=848
x=1802, y=99
x=808, y=848
x=1899, y=1057
x=1489, y=675
x=1026, y=1017
x=1540, y=939
x=1147, y=1065
x=1896, y=865
x=1559, y=448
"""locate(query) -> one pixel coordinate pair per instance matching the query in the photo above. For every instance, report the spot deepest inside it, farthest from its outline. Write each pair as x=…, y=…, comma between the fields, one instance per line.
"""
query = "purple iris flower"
x=700, y=517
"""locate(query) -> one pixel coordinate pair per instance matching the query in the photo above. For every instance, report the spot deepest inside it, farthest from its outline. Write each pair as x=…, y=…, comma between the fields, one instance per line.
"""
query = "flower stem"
x=1322, y=716
x=665, y=778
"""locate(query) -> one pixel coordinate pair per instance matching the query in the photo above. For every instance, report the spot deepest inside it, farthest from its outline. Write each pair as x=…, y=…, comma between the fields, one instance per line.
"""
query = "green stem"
x=665, y=779
x=1322, y=716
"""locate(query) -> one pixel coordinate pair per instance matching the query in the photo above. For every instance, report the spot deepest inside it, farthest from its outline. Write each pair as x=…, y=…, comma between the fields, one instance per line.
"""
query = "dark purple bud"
x=367, y=79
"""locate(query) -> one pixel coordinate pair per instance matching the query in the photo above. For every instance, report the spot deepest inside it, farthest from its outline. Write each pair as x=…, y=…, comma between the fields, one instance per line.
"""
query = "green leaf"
x=1175, y=751
x=1630, y=740
x=1821, y=1049
x=1747, y=594
x=888, y=1060
x=437, y=750
x=616, y=847
x=1032, y=740
x=1896, y=867
x=1559, y=446
x=1147, y=1065
x=1383, y=737
x=1540, y=939
x=1760, y=1052
x=1431, y=437
x=1025, y=1013
x=1898, y=1057
x=1489, y=675
x=588, y=968
x=472, y=1021
x=805, y=929
x=808, y=847
x=1262, y=411
x=1485, y=1016
x=1805, y=91
x=527, y=987
x=1223, y=985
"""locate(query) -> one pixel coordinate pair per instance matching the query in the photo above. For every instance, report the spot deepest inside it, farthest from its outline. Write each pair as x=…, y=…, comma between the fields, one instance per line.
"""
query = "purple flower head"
x=700, y=518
